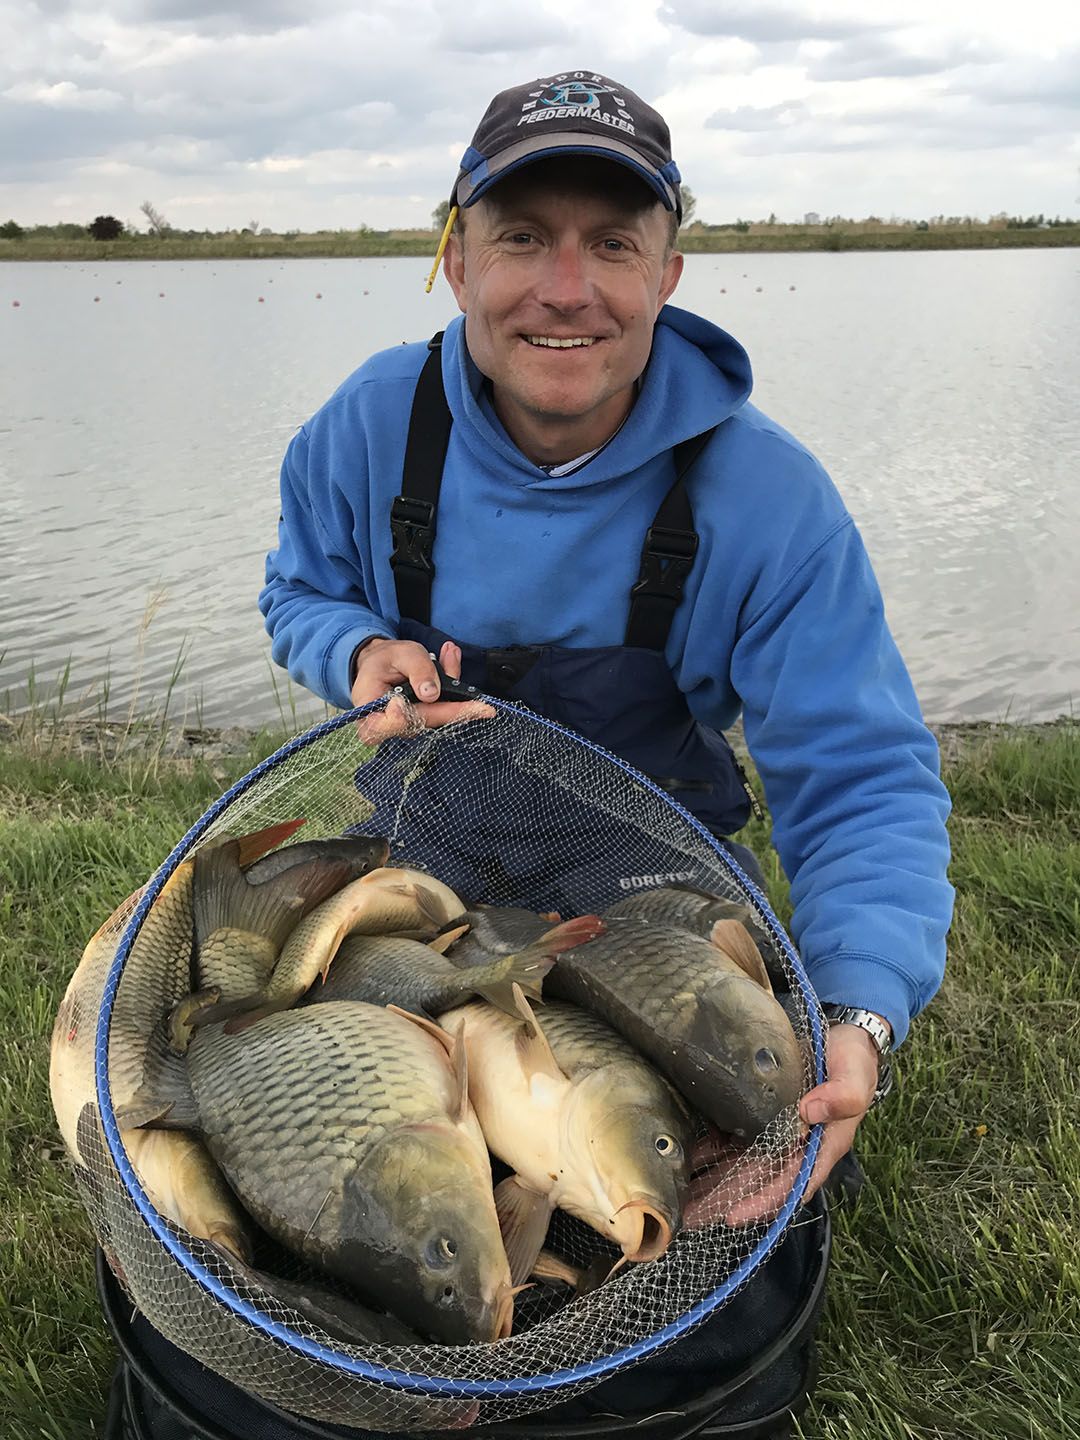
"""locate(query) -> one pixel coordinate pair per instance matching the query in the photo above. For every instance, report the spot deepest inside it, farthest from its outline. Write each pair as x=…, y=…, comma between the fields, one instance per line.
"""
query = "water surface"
x=141, y=435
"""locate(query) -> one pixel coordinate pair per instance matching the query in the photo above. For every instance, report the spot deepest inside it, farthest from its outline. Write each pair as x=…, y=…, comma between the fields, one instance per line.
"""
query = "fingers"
x=450, y=660
x=740, y=1191
x=853, y=1072
x=836, y=1141
x=382, y=664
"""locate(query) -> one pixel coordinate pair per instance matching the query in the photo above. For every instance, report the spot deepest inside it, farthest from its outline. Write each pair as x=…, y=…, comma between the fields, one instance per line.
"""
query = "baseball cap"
x=574, y=113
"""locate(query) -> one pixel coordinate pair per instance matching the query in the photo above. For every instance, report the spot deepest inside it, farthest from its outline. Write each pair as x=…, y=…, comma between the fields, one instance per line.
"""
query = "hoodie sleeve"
x=851, y=776
x=315, y=600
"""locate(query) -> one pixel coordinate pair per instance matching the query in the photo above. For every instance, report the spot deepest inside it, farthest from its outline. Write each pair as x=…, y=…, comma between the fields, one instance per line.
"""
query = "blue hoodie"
x=781, y=619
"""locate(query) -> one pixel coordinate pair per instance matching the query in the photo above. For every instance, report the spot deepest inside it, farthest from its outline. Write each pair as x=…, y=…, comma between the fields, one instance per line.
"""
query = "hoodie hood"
x=697, y=376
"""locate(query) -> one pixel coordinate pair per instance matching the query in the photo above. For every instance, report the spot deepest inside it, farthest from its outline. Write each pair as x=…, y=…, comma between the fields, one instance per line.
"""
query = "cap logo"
x=577, y=97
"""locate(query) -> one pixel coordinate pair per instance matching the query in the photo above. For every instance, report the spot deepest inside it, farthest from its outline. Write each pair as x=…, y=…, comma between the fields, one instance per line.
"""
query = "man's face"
x=540, y=263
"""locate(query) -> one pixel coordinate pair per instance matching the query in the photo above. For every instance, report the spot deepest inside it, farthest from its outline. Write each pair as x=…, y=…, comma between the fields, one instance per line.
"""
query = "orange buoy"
x=261, y=300
x=15, y=304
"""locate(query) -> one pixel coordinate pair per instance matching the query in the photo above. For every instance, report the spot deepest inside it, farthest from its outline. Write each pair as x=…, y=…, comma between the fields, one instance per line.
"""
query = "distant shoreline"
x=422, y=244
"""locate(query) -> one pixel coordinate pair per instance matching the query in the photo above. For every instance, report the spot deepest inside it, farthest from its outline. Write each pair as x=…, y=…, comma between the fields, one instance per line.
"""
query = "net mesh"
x=510, y=810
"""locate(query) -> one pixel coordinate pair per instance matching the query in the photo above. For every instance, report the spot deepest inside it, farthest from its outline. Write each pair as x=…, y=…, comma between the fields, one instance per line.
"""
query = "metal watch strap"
x=879, y=1033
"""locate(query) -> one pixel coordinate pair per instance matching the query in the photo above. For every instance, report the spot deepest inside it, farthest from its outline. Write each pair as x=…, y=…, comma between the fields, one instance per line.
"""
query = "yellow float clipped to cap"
x=444, y=241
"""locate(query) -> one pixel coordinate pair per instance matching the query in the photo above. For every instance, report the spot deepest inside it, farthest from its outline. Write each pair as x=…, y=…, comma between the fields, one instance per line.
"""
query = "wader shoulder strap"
x=413, y=513
x=666, y=558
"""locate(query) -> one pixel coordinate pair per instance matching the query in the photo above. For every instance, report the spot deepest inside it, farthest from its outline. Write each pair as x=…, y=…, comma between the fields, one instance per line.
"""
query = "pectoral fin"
x=524, y=1216
x=535, y=1055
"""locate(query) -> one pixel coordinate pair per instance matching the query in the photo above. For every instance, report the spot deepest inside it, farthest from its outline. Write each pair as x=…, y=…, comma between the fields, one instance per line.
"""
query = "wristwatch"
x=879, y=1033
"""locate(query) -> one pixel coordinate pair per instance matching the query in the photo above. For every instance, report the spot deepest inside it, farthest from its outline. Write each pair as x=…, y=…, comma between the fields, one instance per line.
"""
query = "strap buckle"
x=665, y=562
x=411, y=525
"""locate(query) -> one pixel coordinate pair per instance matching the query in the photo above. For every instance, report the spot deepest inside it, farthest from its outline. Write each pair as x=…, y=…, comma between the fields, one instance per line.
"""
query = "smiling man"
x=570, y=500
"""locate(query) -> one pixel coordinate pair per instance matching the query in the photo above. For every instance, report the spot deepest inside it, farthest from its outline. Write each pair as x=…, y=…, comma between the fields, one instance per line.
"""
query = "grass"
x=851, y=235
x=954, y=1305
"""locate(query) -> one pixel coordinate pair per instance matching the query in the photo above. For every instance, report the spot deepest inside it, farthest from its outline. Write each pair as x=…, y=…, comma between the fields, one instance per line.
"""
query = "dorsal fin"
x=454, y=1045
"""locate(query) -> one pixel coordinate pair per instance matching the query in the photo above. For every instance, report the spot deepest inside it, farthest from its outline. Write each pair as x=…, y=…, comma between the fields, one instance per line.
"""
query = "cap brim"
x=472, y=185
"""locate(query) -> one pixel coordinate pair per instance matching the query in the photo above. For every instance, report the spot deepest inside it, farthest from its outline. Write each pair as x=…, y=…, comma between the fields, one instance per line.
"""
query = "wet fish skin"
x=386, y=901
x=340, y=1127
x=176, y=1171
x=390, y=970
x=584, y=1121
x=328, y=865
x=698, y=911
x=156, y=975
x=722, y=1040
x=496, y=930
x=244, y=916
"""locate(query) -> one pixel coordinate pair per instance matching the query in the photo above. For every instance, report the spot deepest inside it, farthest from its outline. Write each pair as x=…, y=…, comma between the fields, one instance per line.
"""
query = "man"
x=576, y=394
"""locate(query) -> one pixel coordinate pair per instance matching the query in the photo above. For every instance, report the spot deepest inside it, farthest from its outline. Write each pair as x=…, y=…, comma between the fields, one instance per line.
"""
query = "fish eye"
x=765, y=1060
x=666, y=1145
x=441, y=1251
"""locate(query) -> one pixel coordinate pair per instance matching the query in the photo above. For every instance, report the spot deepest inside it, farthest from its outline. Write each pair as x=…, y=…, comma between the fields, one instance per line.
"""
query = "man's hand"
x=382, y=664
x=733, y=1193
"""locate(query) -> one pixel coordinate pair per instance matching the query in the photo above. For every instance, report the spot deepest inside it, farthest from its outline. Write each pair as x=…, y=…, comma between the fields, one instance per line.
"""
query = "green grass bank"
x=955, y=1300
x=343, y=244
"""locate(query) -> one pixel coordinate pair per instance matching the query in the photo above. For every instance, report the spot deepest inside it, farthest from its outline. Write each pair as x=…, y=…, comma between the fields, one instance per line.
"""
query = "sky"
x=316, y=114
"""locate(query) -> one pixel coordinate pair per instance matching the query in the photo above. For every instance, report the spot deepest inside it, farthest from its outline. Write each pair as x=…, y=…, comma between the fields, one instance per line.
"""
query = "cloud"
x=880, y=57
x=767, y=24
x=494, y=27
x=63, y=95
x=332, y=111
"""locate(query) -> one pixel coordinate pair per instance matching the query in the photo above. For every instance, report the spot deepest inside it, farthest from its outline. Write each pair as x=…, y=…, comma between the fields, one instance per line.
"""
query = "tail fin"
x=495, y=982
x=224, y=899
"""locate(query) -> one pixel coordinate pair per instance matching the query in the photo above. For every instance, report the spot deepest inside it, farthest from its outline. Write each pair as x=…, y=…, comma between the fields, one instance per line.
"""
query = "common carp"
x=495, y=930
x=177, y=1173
x=243, y=918
x=346, y=1131
x=388, y=901
x=699, y=911
x=386, y=970
x=586, y=1124
x=692, y=1007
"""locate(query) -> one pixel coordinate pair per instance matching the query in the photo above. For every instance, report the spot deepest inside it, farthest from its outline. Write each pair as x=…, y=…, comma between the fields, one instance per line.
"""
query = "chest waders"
x=750, y=1367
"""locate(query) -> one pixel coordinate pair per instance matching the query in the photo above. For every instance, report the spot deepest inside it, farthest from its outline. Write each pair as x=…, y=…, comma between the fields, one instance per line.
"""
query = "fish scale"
x=345, y=1131
x=717, y=1035
x=317, y=1088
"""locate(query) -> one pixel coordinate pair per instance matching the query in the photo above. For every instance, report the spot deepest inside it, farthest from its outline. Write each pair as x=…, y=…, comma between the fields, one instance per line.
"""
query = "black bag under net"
x=505, y=811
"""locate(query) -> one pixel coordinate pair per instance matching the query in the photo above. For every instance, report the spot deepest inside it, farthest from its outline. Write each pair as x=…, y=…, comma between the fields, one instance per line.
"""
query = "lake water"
x=144, y=409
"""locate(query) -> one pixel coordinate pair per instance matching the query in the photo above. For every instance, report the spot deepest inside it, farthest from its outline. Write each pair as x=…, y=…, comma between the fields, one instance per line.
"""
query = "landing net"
x=511, y=810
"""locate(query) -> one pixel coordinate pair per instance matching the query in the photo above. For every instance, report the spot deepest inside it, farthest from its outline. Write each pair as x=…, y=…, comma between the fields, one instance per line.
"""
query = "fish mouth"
x=645, y=1233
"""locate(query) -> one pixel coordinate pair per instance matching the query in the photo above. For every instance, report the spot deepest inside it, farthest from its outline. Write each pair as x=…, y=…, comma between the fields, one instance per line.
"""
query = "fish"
x=692, y=1008
x=698, y=911
x=388, y=901
x=586, y=1124
x=241, y=923
x=417, y=904
x=178, y=1175
x=495, y=930
x=347, y=1133
x=340, y=1319
x=388, y=970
